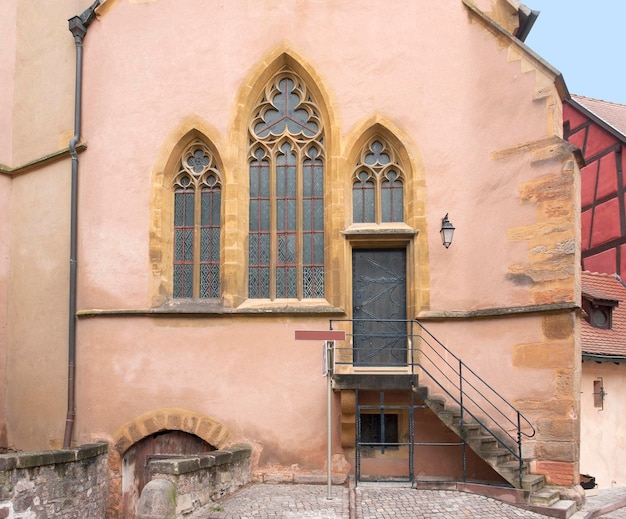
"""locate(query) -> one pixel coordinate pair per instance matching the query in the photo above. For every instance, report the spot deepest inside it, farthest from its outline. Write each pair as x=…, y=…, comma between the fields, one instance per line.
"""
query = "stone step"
x=510, y=469
x=532, y=482
x=446, y=417
x=436, y=403
x=562, y=509
x=421, y=392
x=495, y=457
x=483, y=442
x=491, y=449
x=469, y=430
x=545, y=497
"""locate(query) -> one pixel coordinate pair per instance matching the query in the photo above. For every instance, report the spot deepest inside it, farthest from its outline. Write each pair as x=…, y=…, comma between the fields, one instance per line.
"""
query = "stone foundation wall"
x=64, y=483
x=200, y=479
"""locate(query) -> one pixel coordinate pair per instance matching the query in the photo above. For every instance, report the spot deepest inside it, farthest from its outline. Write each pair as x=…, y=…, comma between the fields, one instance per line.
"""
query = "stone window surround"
x=231, y=157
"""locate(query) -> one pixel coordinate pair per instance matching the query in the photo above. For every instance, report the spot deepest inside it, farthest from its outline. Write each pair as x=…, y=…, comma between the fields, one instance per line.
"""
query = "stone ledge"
x=176, y=465
x=24, y=460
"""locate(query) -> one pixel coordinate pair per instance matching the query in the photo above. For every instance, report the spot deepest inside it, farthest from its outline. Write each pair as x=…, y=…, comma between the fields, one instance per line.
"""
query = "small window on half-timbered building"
x=197, y=188
x=286, y=212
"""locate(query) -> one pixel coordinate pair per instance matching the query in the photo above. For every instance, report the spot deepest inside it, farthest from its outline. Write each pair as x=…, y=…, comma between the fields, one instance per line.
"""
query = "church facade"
x=186, y=184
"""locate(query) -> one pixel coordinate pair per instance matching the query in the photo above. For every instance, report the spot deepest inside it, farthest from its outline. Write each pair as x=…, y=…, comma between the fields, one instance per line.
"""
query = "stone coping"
x=177, y=465
x=25, y=460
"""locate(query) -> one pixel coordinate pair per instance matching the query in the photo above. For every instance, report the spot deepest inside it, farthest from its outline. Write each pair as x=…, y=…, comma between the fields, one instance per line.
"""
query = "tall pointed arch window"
x=197, y=188
x=286, y=164
x=378, y=184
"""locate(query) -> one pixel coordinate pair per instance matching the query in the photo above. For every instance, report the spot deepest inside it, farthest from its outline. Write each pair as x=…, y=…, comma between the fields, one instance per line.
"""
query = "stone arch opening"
x=163, y=432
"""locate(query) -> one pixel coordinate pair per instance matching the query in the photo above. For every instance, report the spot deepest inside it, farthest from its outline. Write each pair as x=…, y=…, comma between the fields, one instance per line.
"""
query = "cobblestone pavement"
x=369, y=502
x=617, y=514
x=598, y=506
x=405, y=503
x=279, y=501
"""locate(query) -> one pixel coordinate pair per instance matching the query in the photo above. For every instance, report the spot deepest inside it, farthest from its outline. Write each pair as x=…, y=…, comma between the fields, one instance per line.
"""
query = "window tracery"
x=286, y=211
x=197, y=188
x=377, y=186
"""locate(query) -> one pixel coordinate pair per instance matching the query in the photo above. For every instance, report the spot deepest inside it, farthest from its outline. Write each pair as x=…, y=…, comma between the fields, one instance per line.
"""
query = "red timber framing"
x=601, y=139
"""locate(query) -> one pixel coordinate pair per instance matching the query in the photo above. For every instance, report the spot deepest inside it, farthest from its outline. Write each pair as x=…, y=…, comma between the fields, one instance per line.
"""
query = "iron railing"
x=446, y=374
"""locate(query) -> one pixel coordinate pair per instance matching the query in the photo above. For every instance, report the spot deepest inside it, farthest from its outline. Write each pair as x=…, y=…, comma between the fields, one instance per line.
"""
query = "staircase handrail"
x=521, y=423
x=482, y=380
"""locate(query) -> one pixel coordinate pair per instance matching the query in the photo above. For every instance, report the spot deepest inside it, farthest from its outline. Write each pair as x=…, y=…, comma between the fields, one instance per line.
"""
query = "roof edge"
x=596, y=118
x=497, y=29
x=617, y=359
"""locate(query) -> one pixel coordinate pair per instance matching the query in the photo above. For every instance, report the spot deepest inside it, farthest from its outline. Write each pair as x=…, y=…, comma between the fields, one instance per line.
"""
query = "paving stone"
x=373, y=501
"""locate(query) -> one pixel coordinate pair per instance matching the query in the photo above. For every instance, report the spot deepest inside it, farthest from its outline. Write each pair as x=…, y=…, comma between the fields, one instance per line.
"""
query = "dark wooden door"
x=379, y=307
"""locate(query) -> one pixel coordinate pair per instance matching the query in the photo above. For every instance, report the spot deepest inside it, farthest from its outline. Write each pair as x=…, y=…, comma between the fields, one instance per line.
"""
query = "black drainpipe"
x=78, y=27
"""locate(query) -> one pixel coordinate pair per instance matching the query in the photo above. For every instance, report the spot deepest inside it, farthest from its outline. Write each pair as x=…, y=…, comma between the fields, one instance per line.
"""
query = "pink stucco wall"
x=136, y=94
x=602, y=433
x=7, y=70
x=37, y=117
x=5, y=205
x=453, y=125
x=457, y=98
x=43, y=107
x=8, y=12
x=37, y=293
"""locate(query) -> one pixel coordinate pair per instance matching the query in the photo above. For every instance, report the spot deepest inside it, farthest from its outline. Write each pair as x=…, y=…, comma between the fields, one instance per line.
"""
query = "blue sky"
x=584, y=40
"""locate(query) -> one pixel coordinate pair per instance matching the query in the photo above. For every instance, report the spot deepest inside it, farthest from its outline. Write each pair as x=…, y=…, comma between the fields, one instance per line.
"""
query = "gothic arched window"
x=377, y=185
x=286, y=164
x=197, y=224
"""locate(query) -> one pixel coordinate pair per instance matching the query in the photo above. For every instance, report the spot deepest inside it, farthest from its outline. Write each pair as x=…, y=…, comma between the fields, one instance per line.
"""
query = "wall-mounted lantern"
x=447, y=231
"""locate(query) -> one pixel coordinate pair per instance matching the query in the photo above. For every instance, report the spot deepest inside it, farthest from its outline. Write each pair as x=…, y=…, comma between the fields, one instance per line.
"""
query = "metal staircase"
x=481, y=417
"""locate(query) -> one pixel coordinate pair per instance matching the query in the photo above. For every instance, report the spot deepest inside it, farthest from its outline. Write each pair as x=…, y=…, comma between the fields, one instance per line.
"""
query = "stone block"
x=8, y=461
x=544, y=355
x=174, y=465
x=91, y=450
x=173, y=422
x=222, y=457
x=558, y=429
x=157, y=500
x=558, y=473
x=135, y=433
x=558, y=326
x=561, y=451
x=240, y=452
x=565, y=381
x=40, y=458
x=151, y=425
x=123, y=444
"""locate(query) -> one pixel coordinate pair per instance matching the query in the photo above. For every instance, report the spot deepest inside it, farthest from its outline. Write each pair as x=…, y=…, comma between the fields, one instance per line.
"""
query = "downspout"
x=78, y=27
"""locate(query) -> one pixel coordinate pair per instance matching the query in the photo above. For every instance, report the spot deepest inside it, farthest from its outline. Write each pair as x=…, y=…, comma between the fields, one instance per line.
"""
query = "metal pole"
x=329, y=419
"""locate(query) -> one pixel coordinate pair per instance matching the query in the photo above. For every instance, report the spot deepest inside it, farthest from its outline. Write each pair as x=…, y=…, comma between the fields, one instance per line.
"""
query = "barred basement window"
x=197, y=223
x=286, y=229
x=377, y=189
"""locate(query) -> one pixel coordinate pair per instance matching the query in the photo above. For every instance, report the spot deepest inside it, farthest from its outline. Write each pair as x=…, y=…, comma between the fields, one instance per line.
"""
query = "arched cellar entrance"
x=135, y=463
x=164, y=432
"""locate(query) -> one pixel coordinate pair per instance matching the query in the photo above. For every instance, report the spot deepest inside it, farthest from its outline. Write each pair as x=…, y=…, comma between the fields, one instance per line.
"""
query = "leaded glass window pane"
x=258, y=241
x=183, y=243
x=377, y=189
x=286, y=138
x=210, y=242
x=391, y=199
x=363, y=209
x=197, y=224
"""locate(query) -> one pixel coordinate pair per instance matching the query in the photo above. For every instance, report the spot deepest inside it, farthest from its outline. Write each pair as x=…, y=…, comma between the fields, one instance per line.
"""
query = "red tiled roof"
x=596, y=341
x=612, y=113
